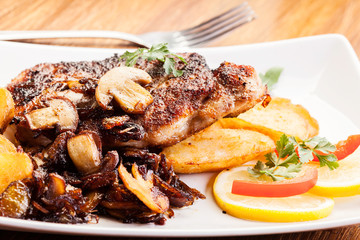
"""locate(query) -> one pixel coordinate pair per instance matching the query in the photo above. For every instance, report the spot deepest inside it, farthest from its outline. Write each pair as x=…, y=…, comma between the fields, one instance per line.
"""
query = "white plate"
x=320, y=72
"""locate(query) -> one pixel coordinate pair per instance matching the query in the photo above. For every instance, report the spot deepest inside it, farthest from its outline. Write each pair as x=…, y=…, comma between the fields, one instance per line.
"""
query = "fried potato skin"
x=7, y=109
x=217, y=148
x=284, y=116
x=13, y=167
x=237, y=123
x=6, y=145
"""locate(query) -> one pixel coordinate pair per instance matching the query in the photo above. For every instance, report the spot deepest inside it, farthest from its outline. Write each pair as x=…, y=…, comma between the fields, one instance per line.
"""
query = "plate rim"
x=38, y=226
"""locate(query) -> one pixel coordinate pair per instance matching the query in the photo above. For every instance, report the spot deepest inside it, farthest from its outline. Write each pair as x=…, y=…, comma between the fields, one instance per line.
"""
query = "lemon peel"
x=343, y=181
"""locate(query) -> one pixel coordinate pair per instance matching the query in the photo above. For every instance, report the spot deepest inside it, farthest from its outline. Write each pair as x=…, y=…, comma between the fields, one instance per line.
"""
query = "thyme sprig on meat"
x=156, y=52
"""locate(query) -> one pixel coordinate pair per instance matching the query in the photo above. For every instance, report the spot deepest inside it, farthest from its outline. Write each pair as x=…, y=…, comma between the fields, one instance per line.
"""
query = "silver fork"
x=196, y=36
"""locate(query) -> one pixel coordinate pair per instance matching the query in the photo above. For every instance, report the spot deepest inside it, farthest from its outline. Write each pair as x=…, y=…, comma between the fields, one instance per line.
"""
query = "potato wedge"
x=13, y=167
x=283, y=116
x=7, y=109
x=6, y=145
x=218, y=147
x=236, y=123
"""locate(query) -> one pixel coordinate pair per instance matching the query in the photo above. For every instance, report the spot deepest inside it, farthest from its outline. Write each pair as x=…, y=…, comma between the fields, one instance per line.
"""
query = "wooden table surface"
x=277, y=19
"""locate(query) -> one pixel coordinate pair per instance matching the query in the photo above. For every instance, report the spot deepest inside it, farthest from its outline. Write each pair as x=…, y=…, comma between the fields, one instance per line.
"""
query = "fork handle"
x=18, y=35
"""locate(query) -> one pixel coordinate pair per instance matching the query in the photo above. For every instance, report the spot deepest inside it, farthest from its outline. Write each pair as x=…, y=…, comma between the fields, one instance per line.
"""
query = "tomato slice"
x=302, y=183
x=345, y=148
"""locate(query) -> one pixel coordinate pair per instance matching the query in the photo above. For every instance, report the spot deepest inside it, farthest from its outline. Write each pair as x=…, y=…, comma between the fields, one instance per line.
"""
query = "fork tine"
x=214, y=20
x=220, y=25
x=207, y=38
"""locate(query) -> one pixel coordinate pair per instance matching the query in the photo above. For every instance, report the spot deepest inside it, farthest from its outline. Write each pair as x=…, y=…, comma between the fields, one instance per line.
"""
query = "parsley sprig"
x=271, y=77
x=291, y=154
x=157, y=52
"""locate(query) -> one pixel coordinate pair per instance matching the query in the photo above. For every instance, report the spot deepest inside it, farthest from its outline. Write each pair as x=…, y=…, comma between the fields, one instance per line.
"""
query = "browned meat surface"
x=181, y=106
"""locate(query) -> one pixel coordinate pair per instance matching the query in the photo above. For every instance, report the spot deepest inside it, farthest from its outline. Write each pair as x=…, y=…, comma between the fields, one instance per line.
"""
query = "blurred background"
x=276, y=19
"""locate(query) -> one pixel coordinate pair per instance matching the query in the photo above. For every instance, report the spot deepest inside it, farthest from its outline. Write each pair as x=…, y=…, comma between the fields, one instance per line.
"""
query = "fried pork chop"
x=181, y=105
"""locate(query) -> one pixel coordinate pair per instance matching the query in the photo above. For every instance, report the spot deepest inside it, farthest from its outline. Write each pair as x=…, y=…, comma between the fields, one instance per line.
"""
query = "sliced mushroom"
x=99, y=180
x=57, y=186
x=56, y=154
x=60, y=112
x=84, y=152
x=25, y=135
x=84, y=103
x=43, y=118
x=110, y=161
x=93, y=199
x=115, y=121
x=66, y=111
x=122, y=84
x=74, y=97
x=145, y=190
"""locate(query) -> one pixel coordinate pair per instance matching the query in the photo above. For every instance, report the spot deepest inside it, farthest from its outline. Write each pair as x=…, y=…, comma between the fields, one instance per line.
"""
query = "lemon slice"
x=343, y=181
x=304, y=207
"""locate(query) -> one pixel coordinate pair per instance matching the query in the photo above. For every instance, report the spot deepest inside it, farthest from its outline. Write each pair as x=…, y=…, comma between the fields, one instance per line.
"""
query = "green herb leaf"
x=288, y=172
x=157, y=52
x=257, y=170
x=291, y=154
x=271, y=76
x=274, y=176
x=321, y=144
x=280, y=145
x=271, y=159
x=131, y=57
x=293, y=158
x=169, y=66
x=328, y=160
x=305, y=154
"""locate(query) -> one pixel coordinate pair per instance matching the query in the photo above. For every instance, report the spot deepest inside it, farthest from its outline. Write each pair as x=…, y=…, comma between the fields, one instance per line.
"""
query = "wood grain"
x=277, y=20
